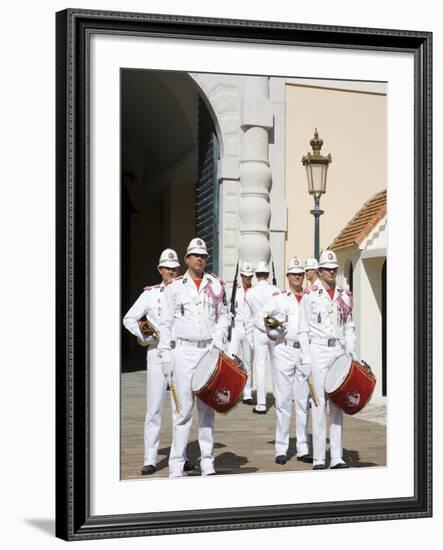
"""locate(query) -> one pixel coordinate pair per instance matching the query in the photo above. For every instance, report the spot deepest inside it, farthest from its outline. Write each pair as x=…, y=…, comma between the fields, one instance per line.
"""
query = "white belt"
x=291, y=343
x=330, y=342
x=155, y=344
x=194, y=343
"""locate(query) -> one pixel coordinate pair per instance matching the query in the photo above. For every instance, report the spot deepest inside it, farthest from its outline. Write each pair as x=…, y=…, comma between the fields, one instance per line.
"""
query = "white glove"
x=351, y=353
x=217, y=342
x=166, y=360
x=167, y=369
x=276, y=333
x=305, y=369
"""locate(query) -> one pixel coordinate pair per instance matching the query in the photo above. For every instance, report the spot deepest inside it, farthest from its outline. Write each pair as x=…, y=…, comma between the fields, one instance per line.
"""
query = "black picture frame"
x=74, y=28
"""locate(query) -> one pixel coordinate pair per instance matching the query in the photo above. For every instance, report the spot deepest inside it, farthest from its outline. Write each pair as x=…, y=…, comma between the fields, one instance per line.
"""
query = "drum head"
x=337, y=373
x=205, y=368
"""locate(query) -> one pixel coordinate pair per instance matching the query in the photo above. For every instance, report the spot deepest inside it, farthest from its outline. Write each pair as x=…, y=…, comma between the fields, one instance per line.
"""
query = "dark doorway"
x=169, y=159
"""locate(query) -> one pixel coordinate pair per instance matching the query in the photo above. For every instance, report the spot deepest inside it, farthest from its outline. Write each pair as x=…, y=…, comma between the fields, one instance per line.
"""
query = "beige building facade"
x=351, y=120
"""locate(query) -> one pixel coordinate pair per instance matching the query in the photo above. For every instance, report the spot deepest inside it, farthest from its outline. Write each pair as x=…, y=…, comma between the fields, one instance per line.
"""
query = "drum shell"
x=224, y=389
x=356, y=389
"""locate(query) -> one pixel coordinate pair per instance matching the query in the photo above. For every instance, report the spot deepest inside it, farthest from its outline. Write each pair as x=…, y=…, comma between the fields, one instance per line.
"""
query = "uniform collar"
x=206, y=279
x=325, y=290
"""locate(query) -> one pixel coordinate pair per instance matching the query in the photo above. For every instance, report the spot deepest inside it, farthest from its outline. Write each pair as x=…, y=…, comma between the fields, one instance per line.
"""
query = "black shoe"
x=280, y=459
x=148, y=470
x=248, y=401
x=211, y=474
x=307, y=459
x=340, y=466
x=255, y=411
x=188, y=467
x=319, y=467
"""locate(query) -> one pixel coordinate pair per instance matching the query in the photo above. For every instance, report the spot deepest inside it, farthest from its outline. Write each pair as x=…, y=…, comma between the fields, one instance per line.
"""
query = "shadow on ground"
x=350, y=456
x=225, y=463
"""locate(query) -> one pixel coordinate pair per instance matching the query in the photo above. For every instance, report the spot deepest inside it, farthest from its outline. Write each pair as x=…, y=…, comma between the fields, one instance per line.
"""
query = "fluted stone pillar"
x=255, y=172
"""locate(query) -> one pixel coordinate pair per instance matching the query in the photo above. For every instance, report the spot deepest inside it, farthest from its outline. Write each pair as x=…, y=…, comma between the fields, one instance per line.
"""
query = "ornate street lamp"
x=316, y=170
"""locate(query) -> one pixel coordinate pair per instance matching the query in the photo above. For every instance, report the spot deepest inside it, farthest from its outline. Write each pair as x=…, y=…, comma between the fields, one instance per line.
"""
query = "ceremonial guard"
x=255, y=300
x=289, y=364
x=241, y=343
x=143, y=320
x=195, y=310
x=311, y=271
x=326, y=321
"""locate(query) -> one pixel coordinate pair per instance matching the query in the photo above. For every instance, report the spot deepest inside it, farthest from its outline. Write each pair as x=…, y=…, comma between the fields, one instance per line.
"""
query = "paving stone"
x=244, y=442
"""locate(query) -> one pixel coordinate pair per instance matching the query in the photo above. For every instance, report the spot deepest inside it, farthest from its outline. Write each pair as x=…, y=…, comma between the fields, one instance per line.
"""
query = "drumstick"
x=312, y=392
x=174, y=394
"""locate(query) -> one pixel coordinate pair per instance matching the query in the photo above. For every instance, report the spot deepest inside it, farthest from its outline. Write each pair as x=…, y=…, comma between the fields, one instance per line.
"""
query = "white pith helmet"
x=262, y=267
x=197, y=246
x=295, y=266
x=328, y=260
x=311, y=263
x=247, y=269
x=169, y=258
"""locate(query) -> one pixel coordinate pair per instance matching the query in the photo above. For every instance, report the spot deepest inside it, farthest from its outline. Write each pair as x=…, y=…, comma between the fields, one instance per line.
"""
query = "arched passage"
x=169, y=157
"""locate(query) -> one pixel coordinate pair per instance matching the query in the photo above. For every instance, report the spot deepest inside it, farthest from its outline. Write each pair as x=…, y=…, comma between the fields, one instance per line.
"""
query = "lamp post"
x=316, y=170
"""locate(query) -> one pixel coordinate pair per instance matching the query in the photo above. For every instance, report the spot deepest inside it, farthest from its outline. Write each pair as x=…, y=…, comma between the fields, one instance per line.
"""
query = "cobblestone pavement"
x=244, y=442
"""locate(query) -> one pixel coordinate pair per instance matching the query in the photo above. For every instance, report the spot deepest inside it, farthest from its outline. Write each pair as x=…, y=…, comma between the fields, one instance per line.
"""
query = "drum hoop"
x=232, y=363
x=363, y=370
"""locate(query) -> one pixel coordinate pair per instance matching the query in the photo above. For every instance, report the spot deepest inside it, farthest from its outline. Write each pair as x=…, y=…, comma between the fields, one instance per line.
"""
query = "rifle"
x=233, y=296
x=274, y=280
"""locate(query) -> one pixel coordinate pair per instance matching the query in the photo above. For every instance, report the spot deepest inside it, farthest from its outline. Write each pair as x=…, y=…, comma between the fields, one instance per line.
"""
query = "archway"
x=169, y=157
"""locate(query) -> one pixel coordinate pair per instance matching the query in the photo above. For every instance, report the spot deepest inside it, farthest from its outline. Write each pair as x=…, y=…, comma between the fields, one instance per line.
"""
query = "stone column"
x=255, y=172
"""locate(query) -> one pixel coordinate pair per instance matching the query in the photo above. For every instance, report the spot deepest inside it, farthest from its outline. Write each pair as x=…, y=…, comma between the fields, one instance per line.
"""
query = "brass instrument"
x=273, y=322
x=147, y=328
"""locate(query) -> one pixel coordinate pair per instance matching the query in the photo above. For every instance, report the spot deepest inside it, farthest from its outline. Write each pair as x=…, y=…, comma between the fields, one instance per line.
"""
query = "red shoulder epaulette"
x=151, y=287
x=306, y=290
x=276, y=293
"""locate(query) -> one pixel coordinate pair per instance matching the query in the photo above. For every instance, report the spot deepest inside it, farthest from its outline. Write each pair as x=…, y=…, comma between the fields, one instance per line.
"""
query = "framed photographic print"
x=243, y=274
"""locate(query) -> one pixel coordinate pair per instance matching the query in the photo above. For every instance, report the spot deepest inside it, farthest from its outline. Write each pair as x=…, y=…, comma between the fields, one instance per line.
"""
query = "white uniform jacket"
x=242, y=315
x=285, y=307
x=194, y=314
x=322, y=318
x=255, y=300
x=148, y=305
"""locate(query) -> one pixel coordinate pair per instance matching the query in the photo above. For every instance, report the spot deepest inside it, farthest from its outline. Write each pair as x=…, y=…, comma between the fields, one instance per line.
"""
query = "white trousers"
x=285, y=375
x=155, y=393
x=240, y=346
x=261, y=347
x=185, y=362
x=322, y=358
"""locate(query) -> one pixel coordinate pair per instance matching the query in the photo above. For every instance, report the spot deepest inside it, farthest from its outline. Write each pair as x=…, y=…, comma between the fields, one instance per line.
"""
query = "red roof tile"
x=362, y=223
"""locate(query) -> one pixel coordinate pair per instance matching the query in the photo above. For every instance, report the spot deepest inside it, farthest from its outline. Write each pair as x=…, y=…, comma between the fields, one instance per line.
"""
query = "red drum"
x=349, y=384
x=218, y=380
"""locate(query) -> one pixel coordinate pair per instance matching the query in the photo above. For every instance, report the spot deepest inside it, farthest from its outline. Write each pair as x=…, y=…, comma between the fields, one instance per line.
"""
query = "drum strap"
x=200, y=309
